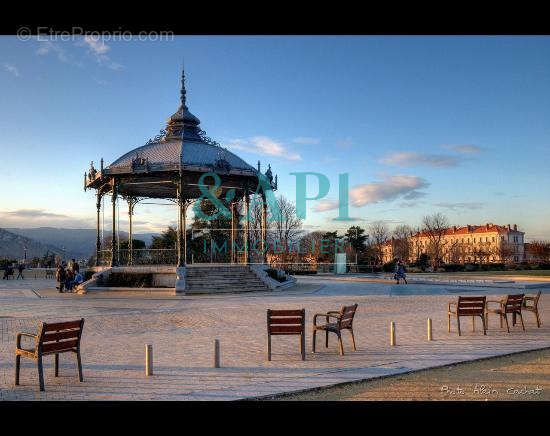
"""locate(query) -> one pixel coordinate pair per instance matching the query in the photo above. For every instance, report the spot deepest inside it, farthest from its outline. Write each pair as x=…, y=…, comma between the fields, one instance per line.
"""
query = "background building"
x=487, y=243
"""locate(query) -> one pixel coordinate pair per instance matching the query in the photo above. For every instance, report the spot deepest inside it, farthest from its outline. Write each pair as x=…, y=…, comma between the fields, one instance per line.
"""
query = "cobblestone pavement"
x=182, y=331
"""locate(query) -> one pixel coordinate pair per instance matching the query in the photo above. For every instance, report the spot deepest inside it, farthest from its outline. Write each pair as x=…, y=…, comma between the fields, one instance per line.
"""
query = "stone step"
x=225, y=284
x=222, y=275
x=207, y=286
x=227, y=277
x=224, y=291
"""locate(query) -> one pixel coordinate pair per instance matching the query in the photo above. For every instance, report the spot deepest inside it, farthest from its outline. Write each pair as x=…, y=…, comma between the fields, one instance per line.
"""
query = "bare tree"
x=402, y=242
x=378, y=235
x=435, y=227
x=288, y=229
x=539, y=251
x=503, y=251
x=456, y=252
x=482, y=251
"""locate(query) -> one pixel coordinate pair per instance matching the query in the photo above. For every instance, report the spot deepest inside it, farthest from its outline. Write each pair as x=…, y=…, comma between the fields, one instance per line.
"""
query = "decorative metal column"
x=263, y=225
x=247, y=226
x=114, y=251
x=184, y=231
x=131, y=205
x=98, y=239
x=181, y=230
x=233, y=231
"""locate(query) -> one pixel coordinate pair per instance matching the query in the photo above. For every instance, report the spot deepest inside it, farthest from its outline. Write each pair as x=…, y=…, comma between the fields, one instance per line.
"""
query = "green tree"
x=137, y=244
x=356, y=238
x=167, y=240
x=211, y=231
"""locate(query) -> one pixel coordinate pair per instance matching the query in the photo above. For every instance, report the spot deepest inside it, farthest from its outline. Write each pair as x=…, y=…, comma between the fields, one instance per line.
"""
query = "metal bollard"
x=148, y=360
x=430, y=336
x=392, y=334
x=216, y=353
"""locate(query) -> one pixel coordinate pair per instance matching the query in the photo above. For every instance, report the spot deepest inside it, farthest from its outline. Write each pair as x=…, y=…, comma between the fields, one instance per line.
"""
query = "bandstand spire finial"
x=183, y=91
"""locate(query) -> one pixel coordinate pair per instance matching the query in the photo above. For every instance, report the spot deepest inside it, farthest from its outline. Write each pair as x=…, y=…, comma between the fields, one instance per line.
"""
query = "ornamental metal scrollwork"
x=157, y=138
x=207, y=139
x=140, y=163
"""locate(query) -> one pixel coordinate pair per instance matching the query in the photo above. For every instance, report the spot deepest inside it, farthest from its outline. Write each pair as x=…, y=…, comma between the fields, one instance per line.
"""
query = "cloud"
x=11, y=68
x=411, y=158
x=94, y=47
x=413, y=195
x=306, y=140
x=465, y=149
x=409, y=204
x=350, y=219
x=390, y=188
x=324, y=205
x=49, y=47
x=460, y=206
x=40, y=217
x=98, y=49
x=264, y=145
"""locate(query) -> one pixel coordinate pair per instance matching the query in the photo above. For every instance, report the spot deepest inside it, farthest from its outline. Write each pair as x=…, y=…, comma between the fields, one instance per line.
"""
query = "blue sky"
x=458, y=125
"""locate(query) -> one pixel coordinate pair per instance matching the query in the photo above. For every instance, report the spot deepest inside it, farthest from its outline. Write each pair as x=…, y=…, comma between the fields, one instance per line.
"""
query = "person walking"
x=400, y=272
x=20, y=268
x=61, y=276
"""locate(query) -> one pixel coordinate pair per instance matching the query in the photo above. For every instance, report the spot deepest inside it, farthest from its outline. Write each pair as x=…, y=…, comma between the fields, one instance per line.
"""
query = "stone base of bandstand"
x=191, y=279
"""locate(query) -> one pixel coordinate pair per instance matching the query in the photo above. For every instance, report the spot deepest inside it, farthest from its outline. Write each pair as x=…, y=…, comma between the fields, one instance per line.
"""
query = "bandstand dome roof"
x=181, y=151
x=193, y=153
x=182, y=142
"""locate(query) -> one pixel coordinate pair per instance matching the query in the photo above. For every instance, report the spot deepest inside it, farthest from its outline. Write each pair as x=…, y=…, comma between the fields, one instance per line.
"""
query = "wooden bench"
x=344, y=321
x=52, y=338
x=509, y=304
x=468, y=306
x=286, y=322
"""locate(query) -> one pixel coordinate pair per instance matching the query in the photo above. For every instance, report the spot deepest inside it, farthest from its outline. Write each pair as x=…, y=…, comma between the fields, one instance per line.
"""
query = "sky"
x=421, y=124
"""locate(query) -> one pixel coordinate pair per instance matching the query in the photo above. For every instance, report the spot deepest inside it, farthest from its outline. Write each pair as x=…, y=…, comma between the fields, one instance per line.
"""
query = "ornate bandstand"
x=169, y=167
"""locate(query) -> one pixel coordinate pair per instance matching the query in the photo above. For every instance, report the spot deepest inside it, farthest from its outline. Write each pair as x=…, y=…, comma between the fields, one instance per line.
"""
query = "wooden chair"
x=344, y=321
x=534, y=307
x=509, y=304
x=286, y=322
x=468, y=306
x=52, y=338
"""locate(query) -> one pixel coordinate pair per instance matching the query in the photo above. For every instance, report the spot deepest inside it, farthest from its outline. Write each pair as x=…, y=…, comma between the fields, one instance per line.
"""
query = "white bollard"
x=430, y=336
x=216, y=353
x=392, y=334
x=148, y=360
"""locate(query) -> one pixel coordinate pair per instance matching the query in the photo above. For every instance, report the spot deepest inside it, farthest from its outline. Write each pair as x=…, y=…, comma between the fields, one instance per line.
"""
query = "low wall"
x=273, y=284
x=163, y=276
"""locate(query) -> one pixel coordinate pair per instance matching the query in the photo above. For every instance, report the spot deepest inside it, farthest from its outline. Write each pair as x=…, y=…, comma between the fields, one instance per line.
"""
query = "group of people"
x=9, y=271
x=68, y=276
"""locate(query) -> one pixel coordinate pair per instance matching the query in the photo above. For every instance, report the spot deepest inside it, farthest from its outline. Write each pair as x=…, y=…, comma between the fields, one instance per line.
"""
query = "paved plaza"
x=182, y=330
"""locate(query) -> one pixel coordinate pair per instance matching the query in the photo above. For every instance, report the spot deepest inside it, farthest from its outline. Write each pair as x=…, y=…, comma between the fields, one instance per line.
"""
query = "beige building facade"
x=487, y=243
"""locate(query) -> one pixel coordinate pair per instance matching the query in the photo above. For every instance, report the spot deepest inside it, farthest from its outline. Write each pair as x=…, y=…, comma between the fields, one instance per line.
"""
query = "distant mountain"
x=80, y=243
x=13, y=246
